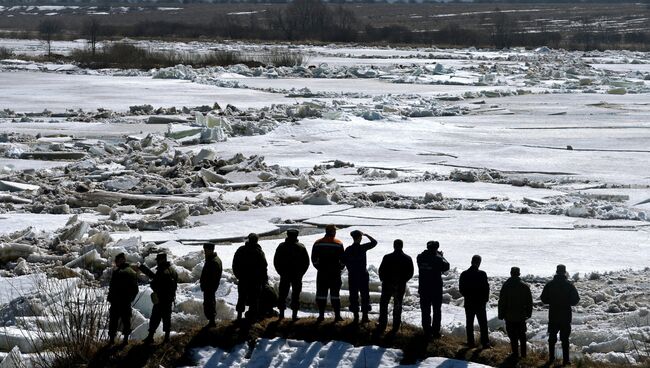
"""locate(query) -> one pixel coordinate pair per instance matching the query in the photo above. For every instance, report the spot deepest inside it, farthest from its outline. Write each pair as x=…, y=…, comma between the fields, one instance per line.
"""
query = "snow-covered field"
x=529, y=158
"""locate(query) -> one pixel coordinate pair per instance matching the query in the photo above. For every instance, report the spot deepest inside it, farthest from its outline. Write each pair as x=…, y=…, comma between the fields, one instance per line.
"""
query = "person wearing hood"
x=560, y=294
x=355, y=260
x=327, y=258
x=515, y=307
x=250, y=268
x=474, y=287
x=431, y=265
x=291, y=261
x=209, y=282
x=122, y=291
x=395, y=270
x=164, y=284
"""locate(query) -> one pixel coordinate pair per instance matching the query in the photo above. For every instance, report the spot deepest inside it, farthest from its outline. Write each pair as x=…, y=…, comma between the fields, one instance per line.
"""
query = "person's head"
x=356, y=235
x=253, y=238
x=515, y=272
x=476, y=260
x=433, y=245
x=161, y=258
x=292, y=234
x=560, y=270
x=208, y=249
x=330, y=230
x=398, y=244
x=120, y=259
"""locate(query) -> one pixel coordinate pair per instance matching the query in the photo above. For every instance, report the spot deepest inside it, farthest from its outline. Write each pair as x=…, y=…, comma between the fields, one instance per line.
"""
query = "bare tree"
x=48, y=28
x=504, y=31
x=91, y=29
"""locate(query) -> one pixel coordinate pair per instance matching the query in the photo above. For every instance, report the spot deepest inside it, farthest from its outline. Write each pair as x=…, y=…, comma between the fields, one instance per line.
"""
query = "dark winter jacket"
x=327, y=255
x=473, y=285
x=249, y=264
x=211, y=274
x=354, y=257
x=431, y=265
x=123, y=287
x=291, y=259
x=164, y=282
x=560, y=295
x=396, y=269
x=515, y=300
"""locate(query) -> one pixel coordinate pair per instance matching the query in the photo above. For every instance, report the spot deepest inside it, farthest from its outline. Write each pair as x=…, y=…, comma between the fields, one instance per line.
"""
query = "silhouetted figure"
x=122, y=290
x=516, y=306
x=394, y=272
x=560, y=295
x=210, y=278
x=354, y=258
x=327, y=258
x=249, y=266
x=291, y=261
x=473, y=285
x=164, y=283
x=431, y=265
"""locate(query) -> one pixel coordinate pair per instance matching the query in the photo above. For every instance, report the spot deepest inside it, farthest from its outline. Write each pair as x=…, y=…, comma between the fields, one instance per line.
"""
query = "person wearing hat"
x=164, y=283
x=327, y=258
x=250, y=267
x=474, y=287
x=431, y=265
x=355, y=260
x=209, y=282
x=122, y=291
x=560, y=294
x=395, y=271
x=291, y=261
x=515, y=306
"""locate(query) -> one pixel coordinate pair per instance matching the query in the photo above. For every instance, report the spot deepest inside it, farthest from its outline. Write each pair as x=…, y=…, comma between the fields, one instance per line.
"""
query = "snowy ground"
x=529, y=158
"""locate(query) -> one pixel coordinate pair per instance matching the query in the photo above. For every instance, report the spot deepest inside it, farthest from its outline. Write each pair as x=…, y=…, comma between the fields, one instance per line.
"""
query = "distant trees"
x=313, y=19
x=91, y=29
x=504, y=30
x=47, y=29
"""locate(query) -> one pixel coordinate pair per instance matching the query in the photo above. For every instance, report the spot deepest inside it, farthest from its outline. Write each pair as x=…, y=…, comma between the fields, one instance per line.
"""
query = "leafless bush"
x=65, y=323
x=281, y=58
x=5, y=53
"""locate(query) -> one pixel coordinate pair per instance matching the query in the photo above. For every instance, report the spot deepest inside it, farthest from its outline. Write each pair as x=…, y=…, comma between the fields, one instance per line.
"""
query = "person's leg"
x=154, y=322
x=166, y=312
x=242, y=297
x=353, y=286
x=386, y=291
x=364, y=290
x=565, y=332
x=522, y=338
x=210, y=307
x=125, y=316
x=254, y=297
x=283, y=293
x=437, y=316
x=321, y=294
x=513, y=335
x=398, y=300
x=335, y=297
x=469, y=324
x=425, y=308
x=481, y=317
x=113, y=318
x=552, y=339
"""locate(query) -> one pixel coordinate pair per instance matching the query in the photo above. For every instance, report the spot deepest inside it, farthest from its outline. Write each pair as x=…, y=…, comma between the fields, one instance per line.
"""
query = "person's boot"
x=111, y=340
x=523, y=349
x=125, y=340
x=321, y=314
x=211, y=324
x=364, y=318
x=355, y=320
x=166, y=340
x=149, y=339
x=294, y=315
x=239, y=316
x=515, y=349
x=281, y=315
x=337, y=311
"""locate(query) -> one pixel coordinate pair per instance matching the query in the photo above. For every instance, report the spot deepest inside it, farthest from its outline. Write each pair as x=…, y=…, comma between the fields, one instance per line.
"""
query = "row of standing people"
x=330, y=258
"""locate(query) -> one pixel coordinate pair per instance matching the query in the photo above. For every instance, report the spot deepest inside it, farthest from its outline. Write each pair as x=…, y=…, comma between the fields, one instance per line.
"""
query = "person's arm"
x=279, y=261
x=382, y=269
x=486, y=288
x=445, y=264
x=544, y=297
x=408, y=273
x=529, y=302
x=315, y=255
x=147, y=271
x=575, y=298
x=502, y=303
x=371, y=244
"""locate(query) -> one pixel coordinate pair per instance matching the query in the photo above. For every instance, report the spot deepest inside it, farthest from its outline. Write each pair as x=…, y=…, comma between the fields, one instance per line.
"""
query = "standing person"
x=122, y=291
x=431, y=265
x=515, y=306
x=560, y=294
x=394, y=272
x=210, y=278
x=291, y=261
x=327, y=258
x=355, y=260
x=473, y=285
x=249, y=266
x=164, y=283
